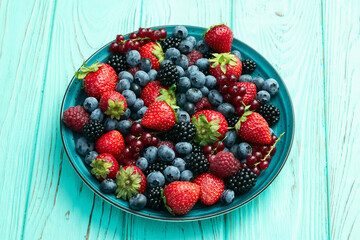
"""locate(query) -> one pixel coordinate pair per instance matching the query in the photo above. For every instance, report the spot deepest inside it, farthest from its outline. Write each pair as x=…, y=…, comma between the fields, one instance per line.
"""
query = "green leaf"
x=166, y=206
x=237, y=126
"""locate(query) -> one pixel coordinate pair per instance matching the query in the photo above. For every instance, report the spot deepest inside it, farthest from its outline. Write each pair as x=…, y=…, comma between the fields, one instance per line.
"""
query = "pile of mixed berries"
x=172, y=121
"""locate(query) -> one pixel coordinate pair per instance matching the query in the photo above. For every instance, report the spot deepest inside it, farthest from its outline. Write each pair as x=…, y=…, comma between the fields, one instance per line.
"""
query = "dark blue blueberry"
x=215, y=97
x=139, y=103
x=126, y=114
x=226, y=109
x=90, y=104
x=123, y=84
x=126, y=75
x=180, y=32
x=90, y=156
x=134, y=116
x=186, y=176
x=234, y=151
x=202, y=47
x=230, y=138
x=190, y=108
x=245, y=78
x=136, y=89
x=133, y=58
x=108, y=186
x=183, y=84
x=142, y=163
x=272, y=86
x=197, y=79
x=137, y=201
x=244, y=150
x=179, y=163
x=165, y=62
x=226, y=149
x=185, y=46
x=183, y=148
x=180, y=99
x=97, y=114
x=152, y=74
x=193, y=95
x=180, y=70
x=141, y=112
x=145, y=64
x=129, y=96
x=172, y=54
x=172, y=173
x=227, y=197
x=237, y=54
x=210, y=81
x=192, y=39
x=142, y=78
x=203, y=63
x=183, y=116
x=110, y=124
x=166, y=153
x=83, y=146
x=263, y=96
x=191, y=69
x=124, y=127
x=182, y=61
x=150, y=154
x=155, y=179
x=259, y=82
x=205, y=91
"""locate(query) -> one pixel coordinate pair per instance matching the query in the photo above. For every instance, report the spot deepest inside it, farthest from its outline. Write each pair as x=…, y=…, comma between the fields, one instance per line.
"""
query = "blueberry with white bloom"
x=190, y=108
x=155, y=179
x=259, y=82
x=97, y=114
x=234, y=150
x=152, y=74
x=179, y=163
x=183, y=84
x=166, y=153
x=205, y=91
x=150, y=154
x=186, y=176
x=129, y=96
x=197, y=79
x=132, y=58
x=193, y=95
x=180, y=99
x=215, y=97
x=90, y=156
x=263, y=96
x=90, y=104
x=110, y=124
x=137, y=201
x=226, y=109
x=172, y=54
x=141, y=112
x=171, y=173
x=182, y=61
x=180, y=70
x=124, y=127
x=126, y=114
x=83, y=146
x=142, y=163
x=191, y=69
x=210, y=81
x=244, y=150
x=145, y=64
x=123, y=84
x=202, y=47
x=108, y=186
x=139, y=103
x=237, y=54
x=227, y=196
x=271, y=86
x=180, y=32
x=192, y=39
x=134, y=116
x=230, y=138
x=142, y=78
x=126, y=75
x=183, y=116
x=203, y=63
x=183, y=148
x=245, y=78
x=185, y=46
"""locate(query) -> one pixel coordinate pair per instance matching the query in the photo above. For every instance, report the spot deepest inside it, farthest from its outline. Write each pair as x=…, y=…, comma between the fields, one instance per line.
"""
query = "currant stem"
x=272, y=147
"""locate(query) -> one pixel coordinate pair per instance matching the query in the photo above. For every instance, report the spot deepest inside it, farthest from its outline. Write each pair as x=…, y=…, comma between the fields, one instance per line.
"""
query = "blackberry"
x=270, y=113
x=156, y=166
x=118, y=62
x=154, y=200
x=205, y=72
x=242, y=181
x=197, y=162
x=248, y=66
x=209, y=53
x=93, y=130
x=232, y=120
x=168, y=74
x=172, y=42
x=182, y=132
x=196, y=148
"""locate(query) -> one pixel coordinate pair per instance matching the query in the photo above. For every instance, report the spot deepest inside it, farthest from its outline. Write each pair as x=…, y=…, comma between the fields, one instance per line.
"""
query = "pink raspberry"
x=203, y=104
x=75, y=118
x=224, y=164
x=193, y=57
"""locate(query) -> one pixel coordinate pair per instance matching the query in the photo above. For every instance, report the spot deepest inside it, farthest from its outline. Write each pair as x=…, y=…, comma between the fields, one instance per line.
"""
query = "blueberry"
x=139, y=103
x=124, y=127
x=202, y=47
x=97, y=114
x=126, y=114
x=142, y=78
x=191, y=69
x=183, y=148
x=134, y=116
x=150, y=154
x=234, y=150
x=183, y=84
x=180, y=32
x=215, y=97
x=90, y=156
x=237, y=54
x=172, y=173
x=245, y=78
x=197, y=79
x=185, y=46
x=272, y=86
x=227, y=196
x=193, y=95
x=108, y=186
x=137, y=201
x=182, y=61
x=186, y=176
x=129, y=96
x=145, y=64
x=180, y=99
x=190, y=108
x=142, y=163
x=136, y=89
x=263, y=96
x=226, y=109
x=90, y=104
x=203, y=63
x=133, y=58
x=180, y=70
x=126, y=75
x=110, y=124
x=226, y=149
x=271, y=130
x=165, y=153
x=230, y=138
x=152, y=74
x=123, y=84
x=192, y=39
x=205, y=91
x=172, y=54
x=179, y=163
x=165, y=62
x=141, y=112
x=183, y=116
x=259, y=82
x=244, y=150
x=210, y=81
x=83, y=146
x=155, y=179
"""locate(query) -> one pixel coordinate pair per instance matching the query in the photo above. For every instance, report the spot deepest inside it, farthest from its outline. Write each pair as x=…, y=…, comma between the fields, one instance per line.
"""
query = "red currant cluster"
x=136, y=40
x=209, y=150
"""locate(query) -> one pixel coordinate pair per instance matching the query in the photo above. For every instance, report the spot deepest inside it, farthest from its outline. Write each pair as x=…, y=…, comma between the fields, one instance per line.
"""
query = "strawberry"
x=151, y=91
x=130, y=180
x=104, y=166
x=250, y=91
x=193, y=56
x=210, y=127
x=180, y=197
x=159, y=116
x=211, y=188
x=225, y=64
x=98, y=79
x=75, y=118
x=111, y=142
x=219, y=38
x=113, y=104
x=154, y=52
x=224, y=164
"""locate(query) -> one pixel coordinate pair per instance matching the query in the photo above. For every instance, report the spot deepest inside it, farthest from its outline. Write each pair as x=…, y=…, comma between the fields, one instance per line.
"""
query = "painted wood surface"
x=314, y=45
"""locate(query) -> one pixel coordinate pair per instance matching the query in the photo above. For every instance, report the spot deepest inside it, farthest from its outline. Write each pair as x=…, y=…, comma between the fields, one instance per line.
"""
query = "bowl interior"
x=75, y=96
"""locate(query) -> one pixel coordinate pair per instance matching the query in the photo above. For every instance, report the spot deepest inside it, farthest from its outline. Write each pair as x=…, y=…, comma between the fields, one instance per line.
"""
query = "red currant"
x=222, y=80
x=234, y=90
x=258, y=155
x=243, y=165
x=218, y=145
x=227, y=97
x=126, y=152
x=254, y=105
x=136, y=155
x=264, y=165
x=251, y=160
x=224, y=88
x=163, y=33
x=255, y=170
x=142, y=32
x=119, y=38
x=136, y=129
x=136, y=45
x=129, y=44
x=146, y=138
x=242, y=91
x=268, y=158
x=237, y=101
x=207, y=150
x=149, y=32
x=133, y=35
x=273, y=139
x=264, y=150
x=272, y=153
x=154, y=141
x=122, y=48
x=114, y=47
x=240, y=110
x=129, y=138
x=142, y=42
x=136, y=145
x=232, y=79
x=155, y=35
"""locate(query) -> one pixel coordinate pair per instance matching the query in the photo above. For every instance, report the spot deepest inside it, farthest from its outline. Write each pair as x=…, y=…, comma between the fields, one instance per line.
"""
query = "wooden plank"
x=341, y=56
x=25, y=29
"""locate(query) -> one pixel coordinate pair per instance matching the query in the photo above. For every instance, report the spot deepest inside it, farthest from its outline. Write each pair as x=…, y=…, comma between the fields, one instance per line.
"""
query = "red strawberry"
x=180, y=197
x=75, y=118
x=113, y=104
x=154, y=52
x=98, y=79
x=210, y=127
x=211, y=188
x=219, y=38
x=225, y=64
x=250, y=91
x=130, y=180
x=133, y=70
x=253, y=128
x=159, y=116
x=203, y=104
x=224, y=164
x=193, y=56
x=151, y=91
x=111, y=142
x=104, y=166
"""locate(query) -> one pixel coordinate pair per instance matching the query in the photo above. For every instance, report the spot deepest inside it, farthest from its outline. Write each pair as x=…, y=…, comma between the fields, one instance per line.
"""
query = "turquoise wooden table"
x=314, y=45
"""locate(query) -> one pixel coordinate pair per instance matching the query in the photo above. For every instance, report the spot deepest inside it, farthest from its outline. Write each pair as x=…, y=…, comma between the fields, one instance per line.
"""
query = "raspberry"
x=203, y=104
x=75, y=118
x=224, y=164
x=193, y=57
x=133, y=70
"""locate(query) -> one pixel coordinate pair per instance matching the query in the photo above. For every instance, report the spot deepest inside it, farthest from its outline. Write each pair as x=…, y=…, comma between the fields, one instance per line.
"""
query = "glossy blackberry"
x=242, y=181
x=232, y=120
x=182, y=132
x=118, y=62
x=197, y=162
x=168, y=74
x=154, y=200
x=156, y=166
x=270, y=113
x=209, y=53
x=196, y=148
x=248, y=66
x=93, y=130
x=171, y=42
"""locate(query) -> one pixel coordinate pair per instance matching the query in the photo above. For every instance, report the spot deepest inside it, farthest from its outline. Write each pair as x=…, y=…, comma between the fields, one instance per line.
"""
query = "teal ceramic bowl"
x=75, y=95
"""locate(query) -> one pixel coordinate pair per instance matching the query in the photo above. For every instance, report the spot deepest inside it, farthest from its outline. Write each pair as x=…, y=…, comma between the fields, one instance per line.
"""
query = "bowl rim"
x=173, y=219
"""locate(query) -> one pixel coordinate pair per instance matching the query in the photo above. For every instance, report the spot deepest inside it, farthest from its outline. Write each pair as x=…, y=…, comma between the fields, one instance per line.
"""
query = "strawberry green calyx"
x=168, y=96
x=127, y=183
x=115, y=109
x=223, y=59
x=158, y=52
x=166, y=206
x=202, y=35
x=206, y=132
x=100, y=168
x=243, y=117
x=85, y=70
